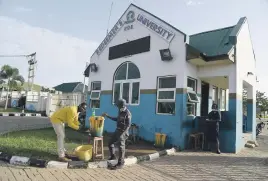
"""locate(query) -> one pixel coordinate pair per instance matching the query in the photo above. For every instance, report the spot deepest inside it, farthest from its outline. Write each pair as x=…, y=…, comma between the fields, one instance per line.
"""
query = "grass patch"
x=39, y=143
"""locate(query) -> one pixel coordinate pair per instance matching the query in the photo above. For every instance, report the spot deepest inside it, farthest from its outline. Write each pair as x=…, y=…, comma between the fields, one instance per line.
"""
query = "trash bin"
x=84, y=152
x=96, y=126
x=160, y=140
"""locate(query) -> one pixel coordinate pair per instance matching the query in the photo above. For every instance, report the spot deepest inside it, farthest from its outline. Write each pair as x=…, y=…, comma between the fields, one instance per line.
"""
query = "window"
x=215, y=95
x=95, y=95
x=192, y=84
x=127, y=84
x=223, y=99
x=192, y=96
x=166, y=93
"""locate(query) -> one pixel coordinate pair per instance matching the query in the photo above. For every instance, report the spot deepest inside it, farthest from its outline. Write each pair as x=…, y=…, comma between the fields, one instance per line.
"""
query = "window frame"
x=215, y=98
x=130, y=81
x=194, y=106
x=94, y=91
x=165, y=100
x=193, y=91
x=195, y=80
x=190, y=99
x=222, y=100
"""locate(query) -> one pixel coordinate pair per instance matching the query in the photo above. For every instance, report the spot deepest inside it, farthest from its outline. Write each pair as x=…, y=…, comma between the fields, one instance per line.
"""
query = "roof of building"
x=67, y=87
x=212, y=43
x=216, y=42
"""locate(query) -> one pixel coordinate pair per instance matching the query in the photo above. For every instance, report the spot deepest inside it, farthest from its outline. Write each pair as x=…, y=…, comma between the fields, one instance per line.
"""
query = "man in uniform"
x=69, y=115
x=215, y=116
x=121, y=133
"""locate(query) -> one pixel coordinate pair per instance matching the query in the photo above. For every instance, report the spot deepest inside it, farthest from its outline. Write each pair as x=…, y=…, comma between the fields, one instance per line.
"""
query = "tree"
x=2, y=86
x=262, y=101
x=14, y=81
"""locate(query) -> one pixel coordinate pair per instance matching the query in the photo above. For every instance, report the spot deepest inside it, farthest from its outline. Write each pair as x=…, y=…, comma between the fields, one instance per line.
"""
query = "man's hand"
x=80, y=127
x=104, y=115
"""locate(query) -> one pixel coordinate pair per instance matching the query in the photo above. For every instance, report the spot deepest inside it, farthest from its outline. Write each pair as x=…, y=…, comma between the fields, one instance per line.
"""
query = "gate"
x=56, y=101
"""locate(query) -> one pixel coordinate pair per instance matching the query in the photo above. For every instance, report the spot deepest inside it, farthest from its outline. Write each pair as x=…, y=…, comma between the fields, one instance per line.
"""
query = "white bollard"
x=55, y=164
x=17, y=160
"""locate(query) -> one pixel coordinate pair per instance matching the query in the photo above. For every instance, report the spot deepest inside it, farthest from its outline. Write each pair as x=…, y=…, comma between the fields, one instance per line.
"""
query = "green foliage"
x=14, y=80
x=262, y=101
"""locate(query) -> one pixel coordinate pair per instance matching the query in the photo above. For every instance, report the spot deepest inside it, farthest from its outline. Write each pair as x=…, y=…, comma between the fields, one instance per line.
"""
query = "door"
x=204, y=98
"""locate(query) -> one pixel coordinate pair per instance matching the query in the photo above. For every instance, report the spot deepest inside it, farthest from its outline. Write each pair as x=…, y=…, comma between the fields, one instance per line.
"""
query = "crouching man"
x=121, y=133
x=59, y=118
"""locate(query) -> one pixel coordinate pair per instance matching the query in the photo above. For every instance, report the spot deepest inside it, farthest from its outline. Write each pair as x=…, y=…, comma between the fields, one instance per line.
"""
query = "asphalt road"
x=22, y=123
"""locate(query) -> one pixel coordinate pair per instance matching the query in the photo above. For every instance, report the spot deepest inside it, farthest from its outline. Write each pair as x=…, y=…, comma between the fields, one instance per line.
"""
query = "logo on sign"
x=130, y=17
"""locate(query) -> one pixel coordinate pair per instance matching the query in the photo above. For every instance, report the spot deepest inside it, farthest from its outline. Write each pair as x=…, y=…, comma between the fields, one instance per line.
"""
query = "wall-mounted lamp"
x=93, y=67
x=257, y=79
x=165, y=54
x=90, y=68
x=250, y=73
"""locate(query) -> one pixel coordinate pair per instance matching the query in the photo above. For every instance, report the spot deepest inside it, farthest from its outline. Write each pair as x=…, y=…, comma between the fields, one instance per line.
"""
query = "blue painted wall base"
x=177, y=127
x=144, y=115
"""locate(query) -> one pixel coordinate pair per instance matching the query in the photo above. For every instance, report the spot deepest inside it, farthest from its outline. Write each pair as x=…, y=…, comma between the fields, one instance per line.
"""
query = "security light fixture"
x=93, y=67
x=165, y=54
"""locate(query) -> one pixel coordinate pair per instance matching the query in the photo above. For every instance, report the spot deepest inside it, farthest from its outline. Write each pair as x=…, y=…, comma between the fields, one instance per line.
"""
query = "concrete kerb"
x=25, y=161
x=6, y=114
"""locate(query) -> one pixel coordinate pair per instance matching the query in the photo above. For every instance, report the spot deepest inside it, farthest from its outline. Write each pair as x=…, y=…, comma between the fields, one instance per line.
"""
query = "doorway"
x=204, y=98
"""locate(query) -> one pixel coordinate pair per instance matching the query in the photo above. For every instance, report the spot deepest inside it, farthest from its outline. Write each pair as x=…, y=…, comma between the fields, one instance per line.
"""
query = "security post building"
x=170, y=80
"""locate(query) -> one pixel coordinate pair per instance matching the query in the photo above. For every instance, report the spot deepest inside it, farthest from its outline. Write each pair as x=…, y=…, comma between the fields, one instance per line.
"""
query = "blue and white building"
x=170, y=80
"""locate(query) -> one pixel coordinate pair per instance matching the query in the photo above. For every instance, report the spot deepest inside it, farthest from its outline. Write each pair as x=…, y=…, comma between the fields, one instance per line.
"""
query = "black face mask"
x=119, y=105
x=82, y=108
x=215, y=107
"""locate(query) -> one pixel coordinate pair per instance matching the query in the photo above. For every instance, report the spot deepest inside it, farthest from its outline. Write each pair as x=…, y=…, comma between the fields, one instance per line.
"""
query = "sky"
x=65, y=33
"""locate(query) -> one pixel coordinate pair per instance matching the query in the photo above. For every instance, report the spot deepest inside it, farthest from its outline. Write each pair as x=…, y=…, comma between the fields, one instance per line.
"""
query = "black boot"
x=113, y=157
x=119, y=165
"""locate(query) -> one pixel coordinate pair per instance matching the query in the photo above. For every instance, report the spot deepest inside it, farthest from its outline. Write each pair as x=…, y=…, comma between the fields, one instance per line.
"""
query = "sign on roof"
x=158, y=29
x=143, y=20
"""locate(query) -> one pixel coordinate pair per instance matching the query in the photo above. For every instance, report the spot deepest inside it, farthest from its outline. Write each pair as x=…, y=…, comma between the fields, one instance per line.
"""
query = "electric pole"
x=31, y=71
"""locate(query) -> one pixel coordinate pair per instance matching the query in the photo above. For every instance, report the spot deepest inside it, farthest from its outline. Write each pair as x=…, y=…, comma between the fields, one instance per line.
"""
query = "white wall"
x=245, y=57
x=149, y=63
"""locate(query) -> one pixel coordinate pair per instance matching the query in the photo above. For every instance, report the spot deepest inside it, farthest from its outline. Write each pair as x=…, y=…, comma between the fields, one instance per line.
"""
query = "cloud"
x=22, y=9
x=193, y=3
x=61, y=58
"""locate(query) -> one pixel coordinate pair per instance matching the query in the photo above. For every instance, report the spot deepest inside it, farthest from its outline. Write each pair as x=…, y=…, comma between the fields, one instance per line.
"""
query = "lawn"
x=39, y=143
x=42, y=143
